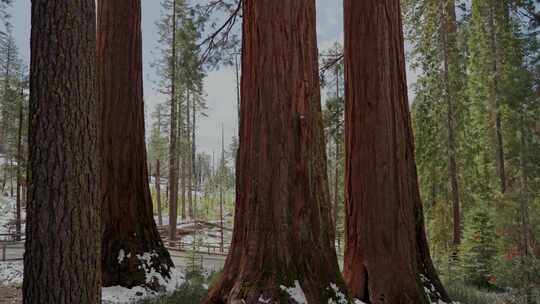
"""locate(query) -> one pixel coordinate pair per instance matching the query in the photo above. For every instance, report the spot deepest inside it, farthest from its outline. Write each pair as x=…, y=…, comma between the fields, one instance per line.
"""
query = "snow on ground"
x=122, y=295
x=207, y=236
x=11, y=273
x=340, y=296
x=7, y=216
x=296, y=293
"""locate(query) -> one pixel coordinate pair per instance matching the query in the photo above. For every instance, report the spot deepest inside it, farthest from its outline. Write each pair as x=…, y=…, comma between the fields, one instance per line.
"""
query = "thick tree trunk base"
x=129, y=263
x=284, y=285
x=282, y=249
x=132, y=251
x=387, y=257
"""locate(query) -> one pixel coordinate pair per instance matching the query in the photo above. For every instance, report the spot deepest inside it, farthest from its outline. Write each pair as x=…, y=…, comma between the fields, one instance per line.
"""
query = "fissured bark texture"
x=131, y=244
x=61, y=259
x=387, y=259
x=282, y=231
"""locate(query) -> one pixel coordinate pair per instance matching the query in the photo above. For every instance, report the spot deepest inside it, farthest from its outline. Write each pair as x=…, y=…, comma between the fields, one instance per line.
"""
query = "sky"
x=220, y=85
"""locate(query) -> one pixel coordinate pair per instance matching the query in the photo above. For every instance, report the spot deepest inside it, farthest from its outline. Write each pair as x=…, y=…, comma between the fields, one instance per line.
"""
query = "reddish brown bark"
x=283, y=225
x=128, y=224
x=61, y=258
x=386, y=258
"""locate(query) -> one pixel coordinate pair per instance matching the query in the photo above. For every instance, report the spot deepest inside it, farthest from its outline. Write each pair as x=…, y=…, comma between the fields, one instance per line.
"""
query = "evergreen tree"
x=437, y=53
x=479, y=250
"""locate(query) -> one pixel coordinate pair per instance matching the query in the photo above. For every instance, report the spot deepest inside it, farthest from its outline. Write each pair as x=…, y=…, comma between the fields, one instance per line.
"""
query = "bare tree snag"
x=283, y=235
x=129, y=231
x=387, y=259
x=62, y=250
x=158, y=192
x=18, y=219
x=173, y=144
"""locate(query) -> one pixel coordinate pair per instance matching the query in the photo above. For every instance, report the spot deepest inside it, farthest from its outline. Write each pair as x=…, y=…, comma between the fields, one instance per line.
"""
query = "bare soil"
x=10, y=295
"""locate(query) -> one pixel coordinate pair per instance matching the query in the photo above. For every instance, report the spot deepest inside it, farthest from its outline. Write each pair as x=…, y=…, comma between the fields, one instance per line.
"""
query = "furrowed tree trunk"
x=158, y=192
x=19, y=177
x=11, y=188
x=173, y=145
x=4, y=180
x=336, y=177
x=5, y=119
x=62, y=250
x=183, y=186
x=222, y=165
x=452, y=88
x=193, y=162
x=336, y=187
x=386, y=257
x=494, y=98
x=283, y=223
x=128, y=226
x=189, y=159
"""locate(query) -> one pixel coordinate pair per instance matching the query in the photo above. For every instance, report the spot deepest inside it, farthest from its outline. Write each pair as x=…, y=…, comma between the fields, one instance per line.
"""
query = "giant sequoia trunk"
x=61, y=259
x=130, y=234
x=282, y=236
x=386, y=257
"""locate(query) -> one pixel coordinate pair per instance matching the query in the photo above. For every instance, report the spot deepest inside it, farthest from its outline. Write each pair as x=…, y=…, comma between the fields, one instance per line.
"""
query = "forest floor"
x=10, y=294
x=200, y=244
x=11, y=277
x=7, y=216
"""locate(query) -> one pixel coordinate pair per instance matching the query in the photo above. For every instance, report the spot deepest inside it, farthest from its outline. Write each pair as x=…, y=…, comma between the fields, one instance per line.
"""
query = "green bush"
x=469, y=295
x=192, y=291
x=478, y=251
x=188, y=293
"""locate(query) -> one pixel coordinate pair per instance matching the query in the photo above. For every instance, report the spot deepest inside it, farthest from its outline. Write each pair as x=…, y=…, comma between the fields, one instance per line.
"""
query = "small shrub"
x=192, y=291
x=188, y=293
x=469, y=295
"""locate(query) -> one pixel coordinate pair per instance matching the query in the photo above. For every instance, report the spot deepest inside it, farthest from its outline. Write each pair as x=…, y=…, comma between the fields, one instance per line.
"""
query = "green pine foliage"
x=493, y=85
x=479, y=250
x=13, y=111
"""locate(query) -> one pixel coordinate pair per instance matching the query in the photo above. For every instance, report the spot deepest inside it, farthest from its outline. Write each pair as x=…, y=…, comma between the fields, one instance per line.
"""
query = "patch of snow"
x=356, y=301
x=340, y=296
x=432, y=292
x=263, y=300
x=123, y=295
x=151, y=273
x=296, y=293
x=11, y=273
x=8, y=208
x=121, y=256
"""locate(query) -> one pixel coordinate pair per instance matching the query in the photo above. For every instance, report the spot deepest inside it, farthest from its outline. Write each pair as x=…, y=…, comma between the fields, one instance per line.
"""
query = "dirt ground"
x=10, y=295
